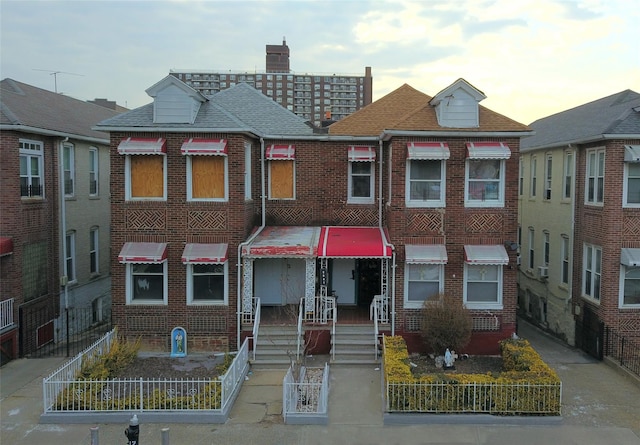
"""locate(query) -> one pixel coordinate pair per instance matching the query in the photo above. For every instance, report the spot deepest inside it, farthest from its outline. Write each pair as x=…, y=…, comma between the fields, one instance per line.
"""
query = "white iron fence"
x=306, y=397
x=6, y=313
x=63, y=393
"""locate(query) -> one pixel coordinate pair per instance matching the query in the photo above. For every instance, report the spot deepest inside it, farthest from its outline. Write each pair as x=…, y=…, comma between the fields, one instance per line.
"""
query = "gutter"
x=573, y=142
x=387, y=134
x=63, y=222
x=61, y=134
x=248, y=241
x=386, y=242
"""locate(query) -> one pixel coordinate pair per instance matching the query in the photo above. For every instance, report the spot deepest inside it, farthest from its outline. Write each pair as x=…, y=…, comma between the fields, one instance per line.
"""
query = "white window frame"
x=521, y=176
x=247, y=171
x=190, y=181
x=548, y=175
x=127, y=174
x=415, y=304
x=496, y=305
x=94, y=170
x=70, y=257
x=595, y=174
x=567, y=182
x=440, y=202
x=623, y=273
x=30, y=149
x=468, y=201
x=627, y=178
x=68, y=167
x=94, y=251
x=592, y=272
x=546, y=248
x=148, y=302
x=566, y=260
x=532, y=250
x=295, y=192
x=534, y=177
x=361, y=199
x=203, y=302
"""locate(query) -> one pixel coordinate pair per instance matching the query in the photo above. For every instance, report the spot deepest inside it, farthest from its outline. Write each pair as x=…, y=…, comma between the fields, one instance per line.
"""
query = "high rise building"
x=313, y=96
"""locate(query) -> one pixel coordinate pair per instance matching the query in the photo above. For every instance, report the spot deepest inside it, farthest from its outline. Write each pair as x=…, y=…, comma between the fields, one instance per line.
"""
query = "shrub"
x=446, y=323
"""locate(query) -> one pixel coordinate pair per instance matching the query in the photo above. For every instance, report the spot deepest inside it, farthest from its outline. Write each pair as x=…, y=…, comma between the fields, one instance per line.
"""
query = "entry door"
x=278, y=281
x=343, y=282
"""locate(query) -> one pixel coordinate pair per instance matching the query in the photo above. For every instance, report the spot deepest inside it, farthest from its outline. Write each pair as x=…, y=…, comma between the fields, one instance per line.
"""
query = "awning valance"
x=425, y=254
x=143, y=253
x=630, y=257
x=283, y=241
x=280, y=152
x=142, y=146
x=481, y=254
x=488, y=150
x=428, y=150
x=361, y=153
x=204, y=253
x=353, y=242
x=632, y=153
x=6, y=245
x=214, y=147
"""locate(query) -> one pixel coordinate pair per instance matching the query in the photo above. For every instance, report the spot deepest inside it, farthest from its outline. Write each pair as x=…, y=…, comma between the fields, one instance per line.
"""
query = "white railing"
x=321, y=310
x=247, y=317
x=380, y=304
x=63, y=393
x=6, y=313
x=310, y=398
x=299, y=336
x=376, y=330
x=256, y=326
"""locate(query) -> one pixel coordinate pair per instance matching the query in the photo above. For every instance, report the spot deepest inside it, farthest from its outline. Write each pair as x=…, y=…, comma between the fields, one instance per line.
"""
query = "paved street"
x=600, y=406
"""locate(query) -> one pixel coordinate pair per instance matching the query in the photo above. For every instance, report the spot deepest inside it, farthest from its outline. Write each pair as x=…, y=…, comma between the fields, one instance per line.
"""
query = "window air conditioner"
x=543, y=271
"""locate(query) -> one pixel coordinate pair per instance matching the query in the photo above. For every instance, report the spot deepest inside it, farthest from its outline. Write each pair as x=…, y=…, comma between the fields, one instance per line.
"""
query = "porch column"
x=247, y=285
x=310, y=284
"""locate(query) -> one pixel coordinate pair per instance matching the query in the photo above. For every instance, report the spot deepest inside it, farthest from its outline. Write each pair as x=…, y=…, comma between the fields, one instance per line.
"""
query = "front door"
x=343, y=272
x=279, y=281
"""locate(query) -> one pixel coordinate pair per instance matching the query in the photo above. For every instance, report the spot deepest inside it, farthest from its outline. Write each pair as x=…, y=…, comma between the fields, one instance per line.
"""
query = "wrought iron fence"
x=623, y=350
x=305, y=397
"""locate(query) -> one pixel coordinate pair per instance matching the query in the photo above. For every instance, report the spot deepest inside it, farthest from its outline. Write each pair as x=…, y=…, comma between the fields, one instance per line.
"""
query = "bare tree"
x=446, y=323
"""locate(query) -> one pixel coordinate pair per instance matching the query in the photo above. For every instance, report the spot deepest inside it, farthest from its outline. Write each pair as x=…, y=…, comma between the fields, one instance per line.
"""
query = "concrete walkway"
x=600, y=406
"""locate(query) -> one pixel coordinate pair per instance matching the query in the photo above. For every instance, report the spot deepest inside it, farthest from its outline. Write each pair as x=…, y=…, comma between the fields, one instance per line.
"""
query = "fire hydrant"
x=133, y=431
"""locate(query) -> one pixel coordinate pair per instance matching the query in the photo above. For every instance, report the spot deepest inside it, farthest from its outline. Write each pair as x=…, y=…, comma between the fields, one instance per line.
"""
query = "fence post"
x=622, y=351
x=94, y=435
x=165, y=436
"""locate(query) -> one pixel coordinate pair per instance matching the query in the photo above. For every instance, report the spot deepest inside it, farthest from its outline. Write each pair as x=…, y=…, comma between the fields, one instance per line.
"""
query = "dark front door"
x=590, y=334
x=367, y=280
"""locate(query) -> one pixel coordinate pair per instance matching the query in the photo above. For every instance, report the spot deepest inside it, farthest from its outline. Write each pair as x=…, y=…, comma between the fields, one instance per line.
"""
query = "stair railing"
x=375, y=328
x=256, y=327
x=300, y=312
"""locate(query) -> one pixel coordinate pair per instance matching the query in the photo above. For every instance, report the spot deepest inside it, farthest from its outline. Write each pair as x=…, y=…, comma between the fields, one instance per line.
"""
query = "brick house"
x=46, y=136
x=228, y=211
x=589, y=161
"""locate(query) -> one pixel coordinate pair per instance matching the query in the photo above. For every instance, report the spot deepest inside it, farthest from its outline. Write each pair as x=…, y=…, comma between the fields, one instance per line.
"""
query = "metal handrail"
x=256, y=327
x=333, y=327
x=300, y=311
x=375, y=329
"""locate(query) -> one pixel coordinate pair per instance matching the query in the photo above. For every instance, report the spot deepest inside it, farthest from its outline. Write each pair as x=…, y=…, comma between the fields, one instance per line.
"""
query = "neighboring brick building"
x=588, y=162
x=42, y=241
x=224, y=201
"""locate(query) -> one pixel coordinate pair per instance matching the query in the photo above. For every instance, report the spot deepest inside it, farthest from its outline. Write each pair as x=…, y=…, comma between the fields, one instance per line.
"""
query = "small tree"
x=446, y=323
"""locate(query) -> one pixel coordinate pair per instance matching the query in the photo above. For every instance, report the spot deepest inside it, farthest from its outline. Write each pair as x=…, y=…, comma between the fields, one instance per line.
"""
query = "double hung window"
x=485, y=174
x=207, y=169
x=631, y=195
x=31, y=168
x=592, y=270
x=594, y=193
x=145, y=168
x=361, y=174
x=426, y=174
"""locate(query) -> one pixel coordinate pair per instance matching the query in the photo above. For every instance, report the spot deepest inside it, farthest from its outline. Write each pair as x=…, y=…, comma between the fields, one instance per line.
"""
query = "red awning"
x=488, y=150
x=143, y=253
x=353, y=242
x=280, y=152
x=6, y=245
x=142, y=146
x=428, y=150
x=205, y=253
x=215, y=147
x=283, y=241
x=361, y=153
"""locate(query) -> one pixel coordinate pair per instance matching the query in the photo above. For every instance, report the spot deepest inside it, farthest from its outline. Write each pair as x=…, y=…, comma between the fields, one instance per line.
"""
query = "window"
x=147, y=283
x=145, y=168
x=483, y=286
x=630, y=285
x=31, y=168
x=361, y=182
x=69, y=170
x=546, y=247
x=206, y=283
x=425, y=183
x=93, y=172
x=595, y=177
x=424, y=282
x=281, y=171
x=632, y=184
x=592, y=271
x=70, y=256
x=247, y=171
x=485, y=183
x=548, y=173
x=94, y=257
x=565, y=260
x=534, y=178
x=531, y=248
x=206, y=178
x=567, y=181
x=521, y=177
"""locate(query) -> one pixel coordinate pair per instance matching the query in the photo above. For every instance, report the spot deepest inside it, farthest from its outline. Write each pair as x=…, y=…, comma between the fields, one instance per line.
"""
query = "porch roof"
x=283, y=241
x=353, y=242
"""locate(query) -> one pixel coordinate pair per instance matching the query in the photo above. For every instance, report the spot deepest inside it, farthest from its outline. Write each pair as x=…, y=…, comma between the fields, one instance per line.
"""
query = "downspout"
x=248, y=241
x=63, y=223
x=385, y=241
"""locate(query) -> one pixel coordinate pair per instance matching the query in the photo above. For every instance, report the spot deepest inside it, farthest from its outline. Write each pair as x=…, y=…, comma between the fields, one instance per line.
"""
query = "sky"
x=531, y=58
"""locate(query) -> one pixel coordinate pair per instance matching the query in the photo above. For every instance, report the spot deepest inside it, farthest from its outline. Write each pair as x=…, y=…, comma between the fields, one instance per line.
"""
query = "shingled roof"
x=408, y=109
x=34, y=109
x=618, y=114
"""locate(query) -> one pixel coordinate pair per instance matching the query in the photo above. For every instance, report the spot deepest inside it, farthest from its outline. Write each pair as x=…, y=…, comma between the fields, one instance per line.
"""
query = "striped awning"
x=280, y=152
x=143, y=253
x=425, y=254
x=630, y=257
x=361, y=153
x=6, y=245
x=142, y=146
x=491, y=254
x=204, y=253
x=212, y=147
x=428, y=151
x=488, y=150
x=632, y=153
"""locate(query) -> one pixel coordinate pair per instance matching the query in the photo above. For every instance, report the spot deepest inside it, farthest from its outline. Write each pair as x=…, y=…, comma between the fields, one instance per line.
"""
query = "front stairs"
x=355, y=344
x=276, y=344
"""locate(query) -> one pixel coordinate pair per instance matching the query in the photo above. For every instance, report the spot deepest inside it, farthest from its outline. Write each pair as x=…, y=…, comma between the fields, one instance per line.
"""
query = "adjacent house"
x=579, y=221
x=54, y=206
x=229, y=212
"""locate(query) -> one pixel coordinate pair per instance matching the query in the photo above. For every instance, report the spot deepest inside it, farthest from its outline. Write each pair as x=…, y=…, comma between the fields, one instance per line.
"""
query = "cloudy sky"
x=531, y=58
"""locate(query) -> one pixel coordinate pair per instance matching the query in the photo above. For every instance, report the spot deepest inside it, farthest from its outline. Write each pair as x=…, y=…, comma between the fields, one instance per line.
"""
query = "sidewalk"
x=599, y=407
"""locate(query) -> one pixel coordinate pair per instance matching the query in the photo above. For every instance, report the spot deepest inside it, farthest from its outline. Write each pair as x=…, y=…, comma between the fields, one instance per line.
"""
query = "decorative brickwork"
x=432, y=223
x=146, y=219
x=486, y=323
x=142, y=323
x=291, y=215
x=215, y=324
x=216, y=220
x=483, y=223
x=412, y=323
x=629, y=326
x=632, y=227
x=356, y=217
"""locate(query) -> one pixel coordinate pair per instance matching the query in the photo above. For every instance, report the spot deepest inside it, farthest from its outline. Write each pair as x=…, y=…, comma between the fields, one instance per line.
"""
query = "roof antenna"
x=55, y=76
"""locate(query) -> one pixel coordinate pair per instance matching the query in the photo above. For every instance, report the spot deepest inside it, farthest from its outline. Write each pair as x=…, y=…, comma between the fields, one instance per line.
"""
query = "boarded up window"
x=147, y=176
x=207, y=177
x=282, y=179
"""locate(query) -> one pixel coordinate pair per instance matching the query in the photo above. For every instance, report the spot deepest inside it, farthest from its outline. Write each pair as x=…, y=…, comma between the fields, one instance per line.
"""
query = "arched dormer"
x=457, y=105
x=174, y=102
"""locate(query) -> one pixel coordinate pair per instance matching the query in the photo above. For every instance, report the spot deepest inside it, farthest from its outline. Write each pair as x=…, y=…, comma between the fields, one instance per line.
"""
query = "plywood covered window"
x=147, y=176
x=207, y=178
x=281, y=184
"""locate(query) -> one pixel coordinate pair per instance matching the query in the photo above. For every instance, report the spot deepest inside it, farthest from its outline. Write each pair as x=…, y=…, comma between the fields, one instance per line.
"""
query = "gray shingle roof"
x=618, y=114
x=239, y=108
x=25, y=105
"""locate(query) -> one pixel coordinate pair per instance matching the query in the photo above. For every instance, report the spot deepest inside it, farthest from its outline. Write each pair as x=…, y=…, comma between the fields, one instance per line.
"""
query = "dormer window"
x=457, y=105
x=175, y=102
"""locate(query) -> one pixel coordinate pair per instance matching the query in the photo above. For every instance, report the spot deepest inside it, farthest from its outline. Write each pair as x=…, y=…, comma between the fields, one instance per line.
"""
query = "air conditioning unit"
x=543, y=271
